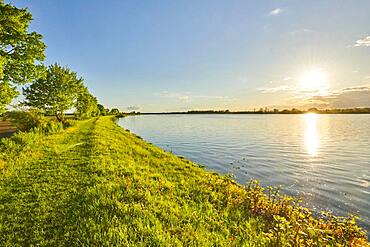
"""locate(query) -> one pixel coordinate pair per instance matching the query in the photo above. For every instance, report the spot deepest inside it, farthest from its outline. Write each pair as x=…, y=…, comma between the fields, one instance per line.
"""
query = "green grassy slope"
x=96, y=184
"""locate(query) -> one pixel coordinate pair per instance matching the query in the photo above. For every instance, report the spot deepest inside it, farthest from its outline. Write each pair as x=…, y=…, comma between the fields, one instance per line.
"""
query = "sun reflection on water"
x=312, y=140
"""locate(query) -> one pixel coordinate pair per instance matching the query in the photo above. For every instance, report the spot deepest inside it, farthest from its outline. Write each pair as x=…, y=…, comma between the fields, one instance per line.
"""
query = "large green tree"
x=21, y=52
x=56, y=93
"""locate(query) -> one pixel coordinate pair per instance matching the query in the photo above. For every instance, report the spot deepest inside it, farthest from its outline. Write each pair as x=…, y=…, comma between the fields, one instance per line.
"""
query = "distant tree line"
x=276, y=111
x=51, y=90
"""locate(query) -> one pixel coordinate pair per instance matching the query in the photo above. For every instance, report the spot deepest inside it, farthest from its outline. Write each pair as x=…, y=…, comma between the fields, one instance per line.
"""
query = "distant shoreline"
x=364, y=110
x=242, y=113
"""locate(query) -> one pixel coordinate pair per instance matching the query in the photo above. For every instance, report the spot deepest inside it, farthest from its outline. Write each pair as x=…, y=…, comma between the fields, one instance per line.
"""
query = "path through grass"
x=96, y=184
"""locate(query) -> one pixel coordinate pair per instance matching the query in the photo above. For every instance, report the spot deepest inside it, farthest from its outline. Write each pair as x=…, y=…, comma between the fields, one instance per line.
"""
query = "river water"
x=325, y=159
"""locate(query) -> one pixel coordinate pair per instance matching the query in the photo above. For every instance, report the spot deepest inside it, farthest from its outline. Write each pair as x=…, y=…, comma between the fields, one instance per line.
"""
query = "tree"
x=87, y=104
x=102, y=110
x=314, y=110
x=114, y=111
x=7, y=93
x=56, y=93
x=21, y=52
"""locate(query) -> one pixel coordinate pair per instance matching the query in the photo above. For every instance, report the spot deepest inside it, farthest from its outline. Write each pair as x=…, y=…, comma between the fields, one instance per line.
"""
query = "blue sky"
x=179, y=55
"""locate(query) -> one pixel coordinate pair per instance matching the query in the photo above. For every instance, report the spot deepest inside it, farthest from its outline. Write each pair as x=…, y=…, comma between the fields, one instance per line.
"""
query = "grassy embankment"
x=95, y=184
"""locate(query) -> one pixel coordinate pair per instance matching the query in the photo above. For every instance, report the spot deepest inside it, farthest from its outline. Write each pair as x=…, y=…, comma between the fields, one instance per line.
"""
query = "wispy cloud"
x=358, y=88
x=350, y=97
x=275, y=12
x=295, y=91
x=344, y=98
x=363, y=42
x=187, y=96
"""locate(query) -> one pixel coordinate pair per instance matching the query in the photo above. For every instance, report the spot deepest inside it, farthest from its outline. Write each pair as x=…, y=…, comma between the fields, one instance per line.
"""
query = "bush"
x=36, y=126
x=26, y=120
x=52, y=127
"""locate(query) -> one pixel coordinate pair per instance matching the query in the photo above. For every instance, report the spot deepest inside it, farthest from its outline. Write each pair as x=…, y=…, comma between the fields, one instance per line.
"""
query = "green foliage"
x=20, y=51
x=33, y=121
x=23, y=143
x=86, y=104
x=96, y=184
x=114, y=111
x=105, y=111
x=7, y=93
x=294, y=225
x=102, y=110
x=25, y=120
x=2, y=64
x=56, y=93
x=121, y=114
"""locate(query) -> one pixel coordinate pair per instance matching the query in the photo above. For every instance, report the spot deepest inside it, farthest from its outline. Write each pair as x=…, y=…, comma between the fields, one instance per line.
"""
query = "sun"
x=315, y=80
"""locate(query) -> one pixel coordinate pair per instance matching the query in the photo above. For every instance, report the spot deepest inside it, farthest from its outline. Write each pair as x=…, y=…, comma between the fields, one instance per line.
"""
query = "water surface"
x=323, y=158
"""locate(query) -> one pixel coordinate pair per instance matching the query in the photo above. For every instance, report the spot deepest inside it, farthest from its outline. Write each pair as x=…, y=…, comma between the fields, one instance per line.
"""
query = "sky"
x=167, y=55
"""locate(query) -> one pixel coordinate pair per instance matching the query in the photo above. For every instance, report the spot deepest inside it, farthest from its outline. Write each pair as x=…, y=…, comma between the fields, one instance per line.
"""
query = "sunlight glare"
x=311, y=134
x=315, y=80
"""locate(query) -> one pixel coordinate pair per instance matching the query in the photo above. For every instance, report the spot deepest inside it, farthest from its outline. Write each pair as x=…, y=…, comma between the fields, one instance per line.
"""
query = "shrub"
x=25, y=120
x=52, y=127
x=38, y=126
x=295, y=225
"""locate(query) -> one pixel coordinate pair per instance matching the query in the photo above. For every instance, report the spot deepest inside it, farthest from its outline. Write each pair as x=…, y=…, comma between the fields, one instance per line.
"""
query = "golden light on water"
x=312, y=140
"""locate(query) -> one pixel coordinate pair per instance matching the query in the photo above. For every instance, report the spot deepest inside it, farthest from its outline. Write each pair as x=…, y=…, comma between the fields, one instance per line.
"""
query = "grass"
x=95, y=184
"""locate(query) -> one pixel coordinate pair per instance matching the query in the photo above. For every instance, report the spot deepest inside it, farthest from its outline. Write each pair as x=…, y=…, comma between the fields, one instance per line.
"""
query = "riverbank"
x=97, y=184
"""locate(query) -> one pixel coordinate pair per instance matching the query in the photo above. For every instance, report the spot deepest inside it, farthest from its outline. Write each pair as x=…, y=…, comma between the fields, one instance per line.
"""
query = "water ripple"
x=323, y=158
